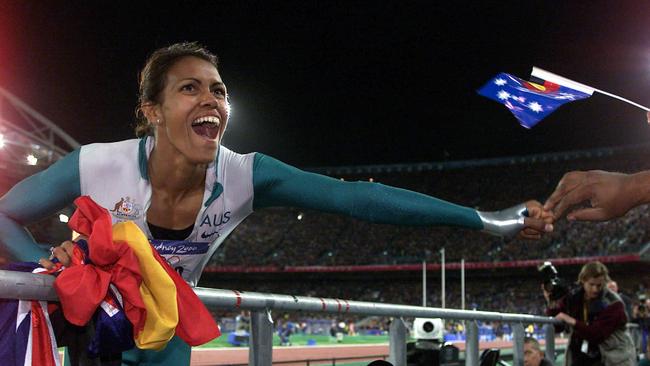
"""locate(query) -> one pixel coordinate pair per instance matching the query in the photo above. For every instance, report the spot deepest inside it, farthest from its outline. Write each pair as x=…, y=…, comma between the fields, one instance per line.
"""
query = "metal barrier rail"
x=28, y=286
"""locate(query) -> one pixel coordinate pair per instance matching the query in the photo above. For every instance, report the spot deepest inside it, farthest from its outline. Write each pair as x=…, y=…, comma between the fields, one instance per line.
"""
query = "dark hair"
x=154, y=74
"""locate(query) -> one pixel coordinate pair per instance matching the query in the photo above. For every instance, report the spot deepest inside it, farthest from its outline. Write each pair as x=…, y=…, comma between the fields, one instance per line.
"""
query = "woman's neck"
x=173, y=174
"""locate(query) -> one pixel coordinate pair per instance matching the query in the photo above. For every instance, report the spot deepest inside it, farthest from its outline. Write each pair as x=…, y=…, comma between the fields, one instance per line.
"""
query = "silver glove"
x=506, y=223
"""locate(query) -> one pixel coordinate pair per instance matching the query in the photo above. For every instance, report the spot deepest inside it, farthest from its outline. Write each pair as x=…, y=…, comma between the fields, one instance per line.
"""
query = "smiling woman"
x=187, y=192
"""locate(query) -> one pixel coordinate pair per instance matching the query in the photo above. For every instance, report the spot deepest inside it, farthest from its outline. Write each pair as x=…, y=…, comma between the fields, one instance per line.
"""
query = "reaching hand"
x=539, y=221
x=610, y=194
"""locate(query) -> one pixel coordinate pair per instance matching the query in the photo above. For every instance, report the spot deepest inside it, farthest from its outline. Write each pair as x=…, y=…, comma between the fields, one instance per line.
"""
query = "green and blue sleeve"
x=33, y=199
x=278, y=184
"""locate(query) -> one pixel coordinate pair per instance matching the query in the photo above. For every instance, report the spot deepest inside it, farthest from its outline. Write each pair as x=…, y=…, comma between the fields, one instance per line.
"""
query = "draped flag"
x=169, y=304
x=115, y=278
x=26, y=335
x=531, y=101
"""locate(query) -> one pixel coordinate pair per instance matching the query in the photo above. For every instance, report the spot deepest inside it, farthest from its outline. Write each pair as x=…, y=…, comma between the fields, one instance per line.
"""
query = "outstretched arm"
x=34, y=198
x=279, y=184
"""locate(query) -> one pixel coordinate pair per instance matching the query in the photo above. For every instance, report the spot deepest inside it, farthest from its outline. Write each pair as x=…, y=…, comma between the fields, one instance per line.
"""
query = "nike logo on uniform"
x=204, y=236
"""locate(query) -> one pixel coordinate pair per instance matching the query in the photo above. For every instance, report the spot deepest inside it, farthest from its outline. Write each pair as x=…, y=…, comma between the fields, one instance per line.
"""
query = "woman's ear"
x=151, y=112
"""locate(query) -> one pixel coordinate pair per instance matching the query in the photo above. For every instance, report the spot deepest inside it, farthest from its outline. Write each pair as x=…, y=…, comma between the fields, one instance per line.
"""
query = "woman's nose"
x=209, y=99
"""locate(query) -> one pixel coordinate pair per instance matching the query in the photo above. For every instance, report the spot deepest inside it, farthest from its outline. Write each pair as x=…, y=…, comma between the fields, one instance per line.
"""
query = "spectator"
x=595, y=317
x=533, y=355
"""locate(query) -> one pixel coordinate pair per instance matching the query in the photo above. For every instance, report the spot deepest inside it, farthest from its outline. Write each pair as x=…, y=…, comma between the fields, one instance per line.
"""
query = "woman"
x=178, y=183
x=596, y=319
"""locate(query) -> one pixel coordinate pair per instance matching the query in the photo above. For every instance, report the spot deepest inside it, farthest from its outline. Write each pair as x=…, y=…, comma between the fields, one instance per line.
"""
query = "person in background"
x=595, y=318
x=533, y=355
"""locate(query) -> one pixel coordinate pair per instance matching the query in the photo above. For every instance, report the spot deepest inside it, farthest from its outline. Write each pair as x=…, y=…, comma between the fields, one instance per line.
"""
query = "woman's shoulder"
x=230, y=159
x=121, y=153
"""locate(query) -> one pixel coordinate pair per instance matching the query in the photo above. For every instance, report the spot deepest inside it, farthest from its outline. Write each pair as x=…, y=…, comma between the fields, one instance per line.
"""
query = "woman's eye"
x=219, y=92
x=188, y=87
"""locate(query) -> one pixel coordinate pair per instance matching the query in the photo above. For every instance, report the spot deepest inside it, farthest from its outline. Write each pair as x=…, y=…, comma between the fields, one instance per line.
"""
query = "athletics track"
x=239, y=356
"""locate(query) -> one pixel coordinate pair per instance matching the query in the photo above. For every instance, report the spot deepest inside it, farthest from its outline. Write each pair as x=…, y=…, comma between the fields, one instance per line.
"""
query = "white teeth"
x=206, y=119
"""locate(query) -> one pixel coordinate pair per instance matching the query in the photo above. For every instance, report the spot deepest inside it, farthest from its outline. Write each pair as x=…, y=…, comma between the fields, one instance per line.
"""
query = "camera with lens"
x=429, y=348
x=556, y=287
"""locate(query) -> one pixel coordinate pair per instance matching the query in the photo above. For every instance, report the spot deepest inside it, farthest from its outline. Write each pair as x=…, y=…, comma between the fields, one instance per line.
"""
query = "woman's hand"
x=63, y=253
x=527, y=220
x=566, y=318
x=539, y=221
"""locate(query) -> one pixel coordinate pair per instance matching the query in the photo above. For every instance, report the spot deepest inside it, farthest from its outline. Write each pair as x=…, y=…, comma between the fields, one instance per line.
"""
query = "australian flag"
x=529, y=101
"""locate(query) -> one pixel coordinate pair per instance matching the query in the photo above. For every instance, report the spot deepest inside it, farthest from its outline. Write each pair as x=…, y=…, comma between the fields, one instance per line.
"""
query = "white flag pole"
x=623, y=99
x=557, y=79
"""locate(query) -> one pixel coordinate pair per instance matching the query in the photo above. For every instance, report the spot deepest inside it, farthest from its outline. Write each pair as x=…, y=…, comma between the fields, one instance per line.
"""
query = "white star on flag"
x=503, y=95
x=500, y=82
x=535, y=107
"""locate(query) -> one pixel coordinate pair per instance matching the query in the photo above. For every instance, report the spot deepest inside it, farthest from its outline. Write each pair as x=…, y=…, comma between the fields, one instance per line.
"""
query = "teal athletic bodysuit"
x=115, y=176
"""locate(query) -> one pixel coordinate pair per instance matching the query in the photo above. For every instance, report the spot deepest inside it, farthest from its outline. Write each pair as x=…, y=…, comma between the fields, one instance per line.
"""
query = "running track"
x=230, y=356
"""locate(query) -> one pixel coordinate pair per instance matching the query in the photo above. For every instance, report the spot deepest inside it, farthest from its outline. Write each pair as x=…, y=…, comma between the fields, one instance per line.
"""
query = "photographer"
x=595, y=318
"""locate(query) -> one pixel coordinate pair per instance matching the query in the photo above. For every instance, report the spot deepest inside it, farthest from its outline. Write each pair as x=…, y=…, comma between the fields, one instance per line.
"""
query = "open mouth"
x=207, y=127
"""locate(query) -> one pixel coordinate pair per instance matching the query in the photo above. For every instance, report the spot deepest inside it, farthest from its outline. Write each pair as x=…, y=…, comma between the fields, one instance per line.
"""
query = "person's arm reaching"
x=34, y=198
x=611, y=195
x=279, y=184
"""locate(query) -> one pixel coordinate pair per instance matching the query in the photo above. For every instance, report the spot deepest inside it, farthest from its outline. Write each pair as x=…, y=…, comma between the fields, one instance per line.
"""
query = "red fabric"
x=196, y=325
x=81, y=288
x=41, y=341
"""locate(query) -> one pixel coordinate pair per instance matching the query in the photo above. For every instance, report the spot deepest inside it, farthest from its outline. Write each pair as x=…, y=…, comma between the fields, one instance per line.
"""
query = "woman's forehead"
x=596, y=280
x=191, y=67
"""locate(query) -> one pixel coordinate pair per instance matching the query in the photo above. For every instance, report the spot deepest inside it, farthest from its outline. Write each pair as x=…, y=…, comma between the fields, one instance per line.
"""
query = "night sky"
x=320, y=83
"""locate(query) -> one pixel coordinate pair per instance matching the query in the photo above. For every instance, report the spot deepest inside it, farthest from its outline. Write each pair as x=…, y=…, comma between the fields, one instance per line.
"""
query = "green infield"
x=304, y=340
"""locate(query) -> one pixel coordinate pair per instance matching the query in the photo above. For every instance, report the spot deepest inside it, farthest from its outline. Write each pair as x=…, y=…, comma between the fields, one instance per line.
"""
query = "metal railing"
x=28, y=286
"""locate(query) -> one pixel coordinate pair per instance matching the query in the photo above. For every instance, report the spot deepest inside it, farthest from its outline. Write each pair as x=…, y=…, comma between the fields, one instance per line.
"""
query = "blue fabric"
x=529, y=102
x=33, y=199
x=278, y=184
x=13, y=342
x=22, y=338
x=8, y=312
x=113, y=333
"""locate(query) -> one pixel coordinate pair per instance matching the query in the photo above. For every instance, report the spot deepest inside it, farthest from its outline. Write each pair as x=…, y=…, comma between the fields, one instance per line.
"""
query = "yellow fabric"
x=157, y=290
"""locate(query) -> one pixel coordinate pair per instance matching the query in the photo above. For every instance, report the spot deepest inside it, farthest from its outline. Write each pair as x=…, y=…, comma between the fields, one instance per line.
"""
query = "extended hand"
x=610, y=194
x=539, y=221
x=527, y=220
